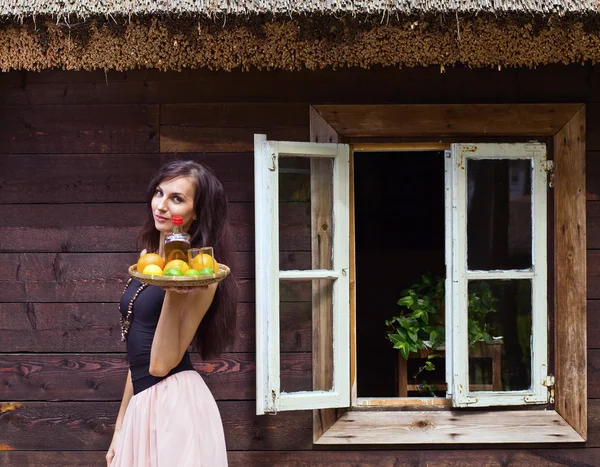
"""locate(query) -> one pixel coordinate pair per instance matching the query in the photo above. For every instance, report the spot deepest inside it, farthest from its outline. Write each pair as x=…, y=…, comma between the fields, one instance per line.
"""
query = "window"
x=521, y=276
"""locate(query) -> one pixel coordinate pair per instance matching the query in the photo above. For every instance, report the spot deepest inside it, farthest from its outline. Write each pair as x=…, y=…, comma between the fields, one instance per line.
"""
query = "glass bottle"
x=177, y=243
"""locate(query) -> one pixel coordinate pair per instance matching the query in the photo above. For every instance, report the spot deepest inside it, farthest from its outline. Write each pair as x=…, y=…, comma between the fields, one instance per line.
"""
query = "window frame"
x=563, y=126
x=269, y=397
x=459, y=274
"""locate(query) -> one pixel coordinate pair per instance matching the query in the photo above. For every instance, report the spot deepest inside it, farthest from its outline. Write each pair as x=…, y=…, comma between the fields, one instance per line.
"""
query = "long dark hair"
x=211, y=228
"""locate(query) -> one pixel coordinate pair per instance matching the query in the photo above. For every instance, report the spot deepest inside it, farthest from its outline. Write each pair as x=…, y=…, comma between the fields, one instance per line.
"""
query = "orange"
x=149, y=258
x=153, y=270
x=204, y=261
x=177, y=264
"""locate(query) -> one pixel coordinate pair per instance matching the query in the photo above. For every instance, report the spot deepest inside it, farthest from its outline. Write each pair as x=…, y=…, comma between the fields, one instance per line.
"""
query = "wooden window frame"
x=564, y=126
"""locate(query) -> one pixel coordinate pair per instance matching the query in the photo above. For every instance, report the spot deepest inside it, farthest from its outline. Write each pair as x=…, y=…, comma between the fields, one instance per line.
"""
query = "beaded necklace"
x=126, y=321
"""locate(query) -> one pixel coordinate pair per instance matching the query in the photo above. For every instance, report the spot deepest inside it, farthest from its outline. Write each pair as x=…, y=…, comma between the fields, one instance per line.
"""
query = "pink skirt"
x=173, y=423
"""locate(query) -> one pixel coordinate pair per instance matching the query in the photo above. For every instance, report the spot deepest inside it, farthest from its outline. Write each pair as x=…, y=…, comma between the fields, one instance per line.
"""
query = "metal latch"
x=549, y=383
x=548, y=167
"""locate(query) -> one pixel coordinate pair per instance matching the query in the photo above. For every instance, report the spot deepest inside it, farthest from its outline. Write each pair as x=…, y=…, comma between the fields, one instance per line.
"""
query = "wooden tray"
x=180, y=281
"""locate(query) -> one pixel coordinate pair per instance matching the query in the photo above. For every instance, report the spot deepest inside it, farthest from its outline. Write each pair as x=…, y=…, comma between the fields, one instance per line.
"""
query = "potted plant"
x=420, y=323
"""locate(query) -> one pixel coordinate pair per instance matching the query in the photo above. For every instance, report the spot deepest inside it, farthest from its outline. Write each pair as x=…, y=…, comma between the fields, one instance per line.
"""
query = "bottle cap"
x=177, y=220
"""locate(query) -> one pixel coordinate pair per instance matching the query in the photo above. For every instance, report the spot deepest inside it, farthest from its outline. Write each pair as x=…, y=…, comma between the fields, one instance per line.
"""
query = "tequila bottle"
x=177, y=243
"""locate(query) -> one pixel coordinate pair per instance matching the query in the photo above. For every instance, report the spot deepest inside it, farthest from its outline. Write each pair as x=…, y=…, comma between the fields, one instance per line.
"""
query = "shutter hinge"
x=548, y=167
x=274, y=396
x=549, y=383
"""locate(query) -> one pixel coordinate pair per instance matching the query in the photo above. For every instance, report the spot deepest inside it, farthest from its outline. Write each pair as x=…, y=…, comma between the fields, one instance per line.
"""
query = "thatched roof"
x=295, y=34
x=86, y=8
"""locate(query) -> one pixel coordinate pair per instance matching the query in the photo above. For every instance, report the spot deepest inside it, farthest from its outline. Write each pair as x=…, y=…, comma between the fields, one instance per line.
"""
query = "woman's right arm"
x=127, y=395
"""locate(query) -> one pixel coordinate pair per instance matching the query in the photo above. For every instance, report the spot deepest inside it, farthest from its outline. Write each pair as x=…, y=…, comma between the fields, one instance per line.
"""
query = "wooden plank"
x=447, y=120
x=374, y=85
x=593, y=274
x=574, y=457
x=570, y=273
x=580, y=457
x=104, y=291
x=593, y=324
x=108, y=178
x=219, y=139
x=115, y=227
x=223, y=115
x=322, y=245
x=84, y=426
x=53, y=458
x=87, y=267
x=593, y=224
x=100, y=377
x=592, y=115
x=94, y=327
x=103, y=90
x=449, y=427
x=592, y=169
x=79, y=129
x=593, y=373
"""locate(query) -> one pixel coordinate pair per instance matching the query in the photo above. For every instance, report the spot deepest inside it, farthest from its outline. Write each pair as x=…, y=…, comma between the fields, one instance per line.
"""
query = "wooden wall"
x=76, y=152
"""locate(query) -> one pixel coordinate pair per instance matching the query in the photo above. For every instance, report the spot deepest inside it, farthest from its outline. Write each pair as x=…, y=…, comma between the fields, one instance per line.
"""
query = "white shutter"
x=269, y=398
x=459, y=274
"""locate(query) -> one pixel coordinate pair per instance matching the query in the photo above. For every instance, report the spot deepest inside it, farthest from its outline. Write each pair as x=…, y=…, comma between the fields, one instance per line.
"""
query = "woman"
x=168, y=417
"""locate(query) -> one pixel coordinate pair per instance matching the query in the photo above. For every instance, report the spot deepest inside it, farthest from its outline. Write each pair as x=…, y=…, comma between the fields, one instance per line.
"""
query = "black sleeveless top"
x=144, y=319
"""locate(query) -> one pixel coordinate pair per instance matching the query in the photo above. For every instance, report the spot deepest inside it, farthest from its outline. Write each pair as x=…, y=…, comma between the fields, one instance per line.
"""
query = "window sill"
x=450, y=427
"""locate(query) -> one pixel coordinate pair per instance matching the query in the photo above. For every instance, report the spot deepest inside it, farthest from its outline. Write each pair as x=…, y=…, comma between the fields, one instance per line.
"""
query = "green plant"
x=420, y=323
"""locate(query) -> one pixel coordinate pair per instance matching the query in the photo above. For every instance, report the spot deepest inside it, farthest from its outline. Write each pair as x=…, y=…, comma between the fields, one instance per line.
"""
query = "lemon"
x=177, y=264
x=147, y=259
x=153, y=270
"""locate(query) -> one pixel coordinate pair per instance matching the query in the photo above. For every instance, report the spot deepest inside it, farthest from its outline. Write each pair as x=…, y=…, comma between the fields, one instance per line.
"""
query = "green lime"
x=173, y=272
x=192, y=272
x=205, y=271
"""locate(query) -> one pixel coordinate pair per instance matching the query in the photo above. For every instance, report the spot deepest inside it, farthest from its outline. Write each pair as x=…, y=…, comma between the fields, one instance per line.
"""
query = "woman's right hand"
x=110, y=454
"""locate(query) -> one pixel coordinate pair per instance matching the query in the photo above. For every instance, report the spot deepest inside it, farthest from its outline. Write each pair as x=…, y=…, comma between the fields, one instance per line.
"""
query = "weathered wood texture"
x=76, y=153
x=577, y=457
x=443, y=120
x=322, y=248
x=100, y=377
x=79, y=129
x=91, y=277
x=82, y=426
x=94, y=327
x=114, y=227
x=570, y=279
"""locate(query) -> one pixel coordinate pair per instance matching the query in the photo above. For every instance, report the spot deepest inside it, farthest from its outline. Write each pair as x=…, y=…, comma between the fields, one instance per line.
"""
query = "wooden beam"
x=570, y=272
x=447, y=120
x=322, y=242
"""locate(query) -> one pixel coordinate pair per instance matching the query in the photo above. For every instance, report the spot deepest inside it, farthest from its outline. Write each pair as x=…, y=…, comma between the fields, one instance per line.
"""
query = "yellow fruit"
x=177, y=264
x=153, y=270
x=204, y=261
x=149, y=258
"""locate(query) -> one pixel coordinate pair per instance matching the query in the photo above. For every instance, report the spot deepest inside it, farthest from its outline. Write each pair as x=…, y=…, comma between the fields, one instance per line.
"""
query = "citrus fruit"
x=153, y=270
x=149, y=258
x=205, y=271
x=173, y=272
x=192, y=272
x=177, y=264
x=204, y=261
